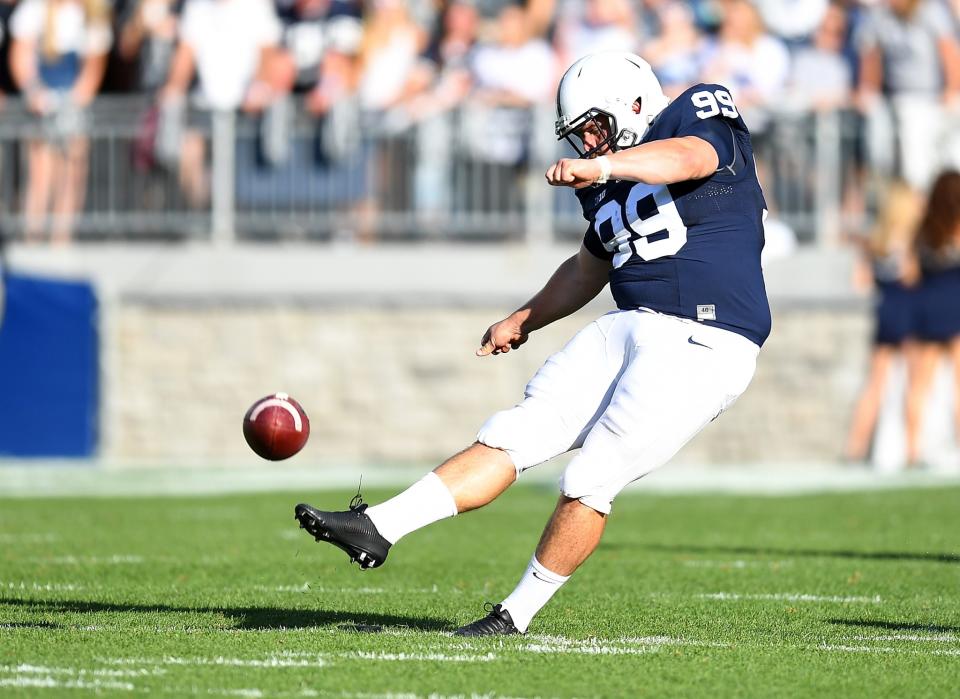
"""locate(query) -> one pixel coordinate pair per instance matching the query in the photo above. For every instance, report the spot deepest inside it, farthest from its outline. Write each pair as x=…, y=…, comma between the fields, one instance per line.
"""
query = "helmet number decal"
x=645, y=225
x=710, y=104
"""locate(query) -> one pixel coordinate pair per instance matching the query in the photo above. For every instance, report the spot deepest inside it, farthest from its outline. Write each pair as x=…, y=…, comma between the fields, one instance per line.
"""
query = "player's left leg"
x=571, y=535
x=672, y=388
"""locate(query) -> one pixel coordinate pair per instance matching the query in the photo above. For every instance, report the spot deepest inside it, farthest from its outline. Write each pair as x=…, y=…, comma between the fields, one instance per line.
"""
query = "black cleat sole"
x=313, y=522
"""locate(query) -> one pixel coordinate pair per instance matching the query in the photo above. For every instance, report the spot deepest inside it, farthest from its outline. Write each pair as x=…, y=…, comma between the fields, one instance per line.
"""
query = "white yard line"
x=320, y=589
x=26, y=668
x=923, y=638
x=789, y=597
x=51, y=683
x=738, y=564
x=116, y=559
x=265, y=662
x=35, y=538
x=40, y=587
x=842, y=648
x=618, y=646
x=419, y=657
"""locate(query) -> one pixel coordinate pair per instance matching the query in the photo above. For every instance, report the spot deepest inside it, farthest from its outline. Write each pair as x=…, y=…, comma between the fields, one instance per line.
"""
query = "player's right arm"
x=575, y=282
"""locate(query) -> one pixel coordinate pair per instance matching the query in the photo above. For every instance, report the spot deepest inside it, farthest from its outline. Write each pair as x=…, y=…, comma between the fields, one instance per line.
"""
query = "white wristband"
x=605, y=169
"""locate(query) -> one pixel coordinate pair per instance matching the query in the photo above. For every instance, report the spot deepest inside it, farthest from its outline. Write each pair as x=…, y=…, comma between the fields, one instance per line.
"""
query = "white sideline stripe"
x=307, y=587
x=788, y=597
x=28, y=538
x=930, y=638
x=68, y=627
x=294, y=659
x=736, y=564
x=885, y=649
x=268, y=661
x=40, y=587
x=279, y=401
x=51, y=683
x=419, y=657
x=115, y=559
x=631, y=645
x=26, y=668
x=591, y=650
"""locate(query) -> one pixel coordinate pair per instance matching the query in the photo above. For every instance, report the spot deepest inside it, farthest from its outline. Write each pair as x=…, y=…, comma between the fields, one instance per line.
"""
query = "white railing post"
x=538, y=196
x=828, y=181
x=223, y=177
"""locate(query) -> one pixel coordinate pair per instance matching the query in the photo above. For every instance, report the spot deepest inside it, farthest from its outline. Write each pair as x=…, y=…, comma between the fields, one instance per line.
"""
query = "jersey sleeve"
x=708, y=112
x=591, y=241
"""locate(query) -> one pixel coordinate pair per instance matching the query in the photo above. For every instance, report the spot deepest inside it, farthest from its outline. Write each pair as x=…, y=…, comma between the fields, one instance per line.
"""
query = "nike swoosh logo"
x=699, y=344
x=540, y=577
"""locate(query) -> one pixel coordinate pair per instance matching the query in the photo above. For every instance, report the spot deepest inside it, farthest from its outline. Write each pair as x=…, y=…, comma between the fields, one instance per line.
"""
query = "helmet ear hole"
x=638, y=104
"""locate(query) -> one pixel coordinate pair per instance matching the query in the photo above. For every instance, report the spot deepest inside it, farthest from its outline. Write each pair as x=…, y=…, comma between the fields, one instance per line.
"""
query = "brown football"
x=276, y=427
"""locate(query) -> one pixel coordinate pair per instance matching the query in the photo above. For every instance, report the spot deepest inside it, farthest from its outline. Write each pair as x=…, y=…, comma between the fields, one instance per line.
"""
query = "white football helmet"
x=607, y=84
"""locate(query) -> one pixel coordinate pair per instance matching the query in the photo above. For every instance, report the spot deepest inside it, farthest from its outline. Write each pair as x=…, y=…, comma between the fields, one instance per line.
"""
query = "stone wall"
x=403, y=384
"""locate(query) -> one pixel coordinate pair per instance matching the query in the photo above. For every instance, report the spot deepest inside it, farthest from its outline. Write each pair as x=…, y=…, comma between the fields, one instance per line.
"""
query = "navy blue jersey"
x=690, y=249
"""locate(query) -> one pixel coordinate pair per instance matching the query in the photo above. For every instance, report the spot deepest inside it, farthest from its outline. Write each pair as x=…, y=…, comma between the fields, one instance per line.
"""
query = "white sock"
x=535, y=589
x=423, y=503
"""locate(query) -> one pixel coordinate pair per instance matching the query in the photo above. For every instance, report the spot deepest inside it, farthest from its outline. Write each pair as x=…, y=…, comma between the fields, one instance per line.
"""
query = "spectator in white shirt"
x=509, y=76
x=910, y=70
x=231, y=45
x=58, y=58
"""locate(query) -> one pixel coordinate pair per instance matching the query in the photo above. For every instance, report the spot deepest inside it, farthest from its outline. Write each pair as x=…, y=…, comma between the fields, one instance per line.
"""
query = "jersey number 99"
x=646, y=225
x=710, y=104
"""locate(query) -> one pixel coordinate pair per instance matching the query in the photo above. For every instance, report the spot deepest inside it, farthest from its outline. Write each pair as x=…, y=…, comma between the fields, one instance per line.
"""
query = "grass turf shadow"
x=248, y=617
x=805, y=553
x=895, y=625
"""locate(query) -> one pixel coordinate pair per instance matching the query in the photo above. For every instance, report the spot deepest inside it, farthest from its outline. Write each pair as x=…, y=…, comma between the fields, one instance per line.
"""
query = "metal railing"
x=467, y=174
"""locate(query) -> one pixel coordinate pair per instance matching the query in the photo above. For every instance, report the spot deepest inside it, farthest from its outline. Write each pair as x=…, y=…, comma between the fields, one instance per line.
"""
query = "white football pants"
x=629, y=390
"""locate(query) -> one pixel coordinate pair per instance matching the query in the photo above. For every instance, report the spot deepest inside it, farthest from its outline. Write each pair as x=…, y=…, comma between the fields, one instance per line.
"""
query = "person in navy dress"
x=887, y=267
x=938, y=312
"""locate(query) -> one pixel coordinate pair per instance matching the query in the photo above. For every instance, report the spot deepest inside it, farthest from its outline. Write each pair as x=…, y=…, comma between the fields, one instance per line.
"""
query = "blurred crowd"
x=390, y=64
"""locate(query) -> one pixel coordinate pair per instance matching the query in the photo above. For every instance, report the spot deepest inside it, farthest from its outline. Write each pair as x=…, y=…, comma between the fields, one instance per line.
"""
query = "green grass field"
x=828, y=595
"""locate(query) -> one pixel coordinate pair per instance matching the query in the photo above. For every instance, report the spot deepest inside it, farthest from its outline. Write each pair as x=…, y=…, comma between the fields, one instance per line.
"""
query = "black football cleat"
x=497, y=623
x=352, y=530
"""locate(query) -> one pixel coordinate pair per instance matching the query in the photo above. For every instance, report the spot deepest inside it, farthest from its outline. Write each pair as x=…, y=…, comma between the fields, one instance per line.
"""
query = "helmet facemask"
x=593, y=118
x=604, y=122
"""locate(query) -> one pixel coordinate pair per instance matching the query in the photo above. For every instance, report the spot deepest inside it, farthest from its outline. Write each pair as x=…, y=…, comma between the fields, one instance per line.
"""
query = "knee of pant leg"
x=528, y=432
x=580, y=485
x=503, y=430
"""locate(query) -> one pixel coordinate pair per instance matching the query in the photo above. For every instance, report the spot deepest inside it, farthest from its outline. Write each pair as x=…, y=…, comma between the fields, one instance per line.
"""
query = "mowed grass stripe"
x=852, y=594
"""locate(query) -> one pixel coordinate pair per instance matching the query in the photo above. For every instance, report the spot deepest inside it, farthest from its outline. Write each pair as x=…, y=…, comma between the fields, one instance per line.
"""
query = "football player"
x=675, y=216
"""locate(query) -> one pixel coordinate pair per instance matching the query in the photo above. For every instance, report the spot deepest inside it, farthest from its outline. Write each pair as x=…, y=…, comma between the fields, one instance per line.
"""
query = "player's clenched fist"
x=573, y=172
x=501, y=337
